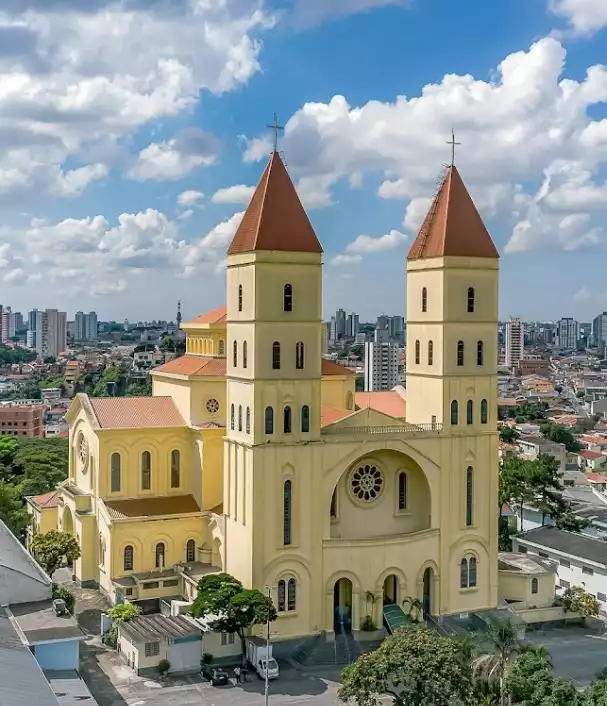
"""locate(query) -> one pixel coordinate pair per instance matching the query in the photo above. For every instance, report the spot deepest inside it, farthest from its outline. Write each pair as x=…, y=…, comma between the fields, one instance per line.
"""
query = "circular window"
x=367, y=483
x=83, y=450
x=212, y=406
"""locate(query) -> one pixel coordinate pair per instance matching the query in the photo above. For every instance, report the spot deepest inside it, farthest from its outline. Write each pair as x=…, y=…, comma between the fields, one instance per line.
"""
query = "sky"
x=132, y=133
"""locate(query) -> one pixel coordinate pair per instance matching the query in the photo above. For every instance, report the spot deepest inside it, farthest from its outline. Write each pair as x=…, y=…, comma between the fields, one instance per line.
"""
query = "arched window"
x=222, y=347
x=305, y=419
x=276, y=356
x=232, y=416
x=235, y=354
x=463, y=573
x=424, y=299
x=470, y=299
x=469, y=495
x=248, y=426
x=454, y=412
x=299, y=355
x=281, y=596
x=288, y=298
x=291, y=595
x=240, y=297
x=244, y=354
x=430, y=352
x=534, y=586
x=101, y=550
x=402, y=491
x=115, y=473
x=469, y=412
x=127, y=560
x=190, y=550
x=160, y=555
x=460, y=353
x=269, y=420
x=175, y=468
x=479, y=353
x=417, y=352
x=349, y=400
x=467, y=572
x=146, y=470
x=286, y=513
x=287, y=419
x=333, y=510
x=484, y=412
x=239, y=417
x=471, y=572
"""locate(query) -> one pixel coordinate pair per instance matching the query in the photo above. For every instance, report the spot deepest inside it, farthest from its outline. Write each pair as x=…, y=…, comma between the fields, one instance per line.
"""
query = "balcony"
x=385, y=430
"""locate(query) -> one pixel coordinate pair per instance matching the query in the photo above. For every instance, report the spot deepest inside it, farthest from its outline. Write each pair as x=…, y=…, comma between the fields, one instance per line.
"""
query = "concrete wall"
x=516, y=586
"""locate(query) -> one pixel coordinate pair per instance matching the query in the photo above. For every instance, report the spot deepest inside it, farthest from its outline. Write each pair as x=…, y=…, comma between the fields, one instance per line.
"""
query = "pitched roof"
x=452, y=226
x=44, y=501
x=275, y=218
x=151, y=507
x=572, y=543
x=388, y=402
x=136, y=412
x=328, y=367
x=215, y=316
x=331, y=415
x=194, y=365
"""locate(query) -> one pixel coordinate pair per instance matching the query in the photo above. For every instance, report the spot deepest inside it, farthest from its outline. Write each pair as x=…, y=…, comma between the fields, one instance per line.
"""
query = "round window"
x=367, y=483
x=83, y=450
x=212, y=406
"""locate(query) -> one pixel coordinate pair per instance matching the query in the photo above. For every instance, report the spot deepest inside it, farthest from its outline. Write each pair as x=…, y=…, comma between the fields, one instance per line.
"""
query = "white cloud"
x=315, y=192
x=584, y=16
x=582, y=295
x=184, y=215
x=312, y=12
x=343, y=259
x=366, y=244
x=207, y=249
x=16, y=276
x=189, y=198
x=257, y=148
x=239, y=193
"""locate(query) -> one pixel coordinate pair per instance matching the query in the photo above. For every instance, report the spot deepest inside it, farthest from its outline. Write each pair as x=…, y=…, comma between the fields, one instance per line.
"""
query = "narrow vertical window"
x=235, y=354
x=534, y=586
x=240, y=297
x=175, y=468
x=160, y=555
x=276, y=356
x=469, y=412
x=286, y=513
x=281, y=596
x=333, y=511
x=146, y=470
x=417, y=352
x=460, y=353
x=222, y=347
x=232, y=417
x=248, y=425
x=305, y=419
x=472, y=572
x=470, y=300
x=402, y=491
x=424, y=299
x=454, y=413
x=190, y=550
x=299, y=355
x=479, y=353
x=269, y=420
x=484, y=411
x=239, y=417
x=463, y=573
x=288, y=298
x=287, y=420
x=430, y=352
x=469, y=495
x=244, y=354
x=291, y=595
x=127, y=561
x=115, y=473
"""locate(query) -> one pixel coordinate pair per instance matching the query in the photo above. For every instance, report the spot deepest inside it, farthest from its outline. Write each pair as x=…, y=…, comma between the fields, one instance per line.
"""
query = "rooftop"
x=16, y=564
x=136, y=412
x=216, y=316
x=389, y=402
x=153, y=628
x=39, y=623
x=44, y=501
x=513, y=561
x=571, y=543
x=151, y=507
x=331, y=415
x=194, y=365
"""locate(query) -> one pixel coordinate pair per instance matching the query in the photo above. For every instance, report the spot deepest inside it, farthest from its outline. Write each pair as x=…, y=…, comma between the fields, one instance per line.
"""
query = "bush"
x=163, y=666
x=367, y=624
x=65, y=595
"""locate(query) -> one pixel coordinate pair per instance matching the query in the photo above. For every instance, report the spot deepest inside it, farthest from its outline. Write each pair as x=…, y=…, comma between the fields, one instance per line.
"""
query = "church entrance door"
x=342, y=605
x=428, y=580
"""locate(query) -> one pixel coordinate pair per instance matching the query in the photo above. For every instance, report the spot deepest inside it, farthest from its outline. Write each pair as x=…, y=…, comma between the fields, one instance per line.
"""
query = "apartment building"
x=22, y=420
x=515, y=341
x=381, y=362
x=50, y=332
x=567, y=333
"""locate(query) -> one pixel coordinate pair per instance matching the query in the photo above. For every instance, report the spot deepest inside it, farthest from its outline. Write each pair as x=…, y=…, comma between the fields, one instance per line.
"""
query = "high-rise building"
x=599, y=330
x=340, y=323
x=8, y=324
x=31, y=328
x=515, y=341
x=352, y=325
x=51, y=332
x=397, y=328
x=332, y=330
x=383, y=321
x=86, y=326
x=567, y=333
x=381, y=362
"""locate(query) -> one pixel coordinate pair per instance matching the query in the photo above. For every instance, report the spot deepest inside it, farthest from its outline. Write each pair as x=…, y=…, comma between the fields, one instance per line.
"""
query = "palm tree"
x=502, y=640
x=415, y=607
x=540, y=651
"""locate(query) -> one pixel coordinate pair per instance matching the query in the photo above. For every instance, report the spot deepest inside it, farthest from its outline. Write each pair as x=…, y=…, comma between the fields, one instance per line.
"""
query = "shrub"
x=65, y=595
x=163, y=666
x=367, y=624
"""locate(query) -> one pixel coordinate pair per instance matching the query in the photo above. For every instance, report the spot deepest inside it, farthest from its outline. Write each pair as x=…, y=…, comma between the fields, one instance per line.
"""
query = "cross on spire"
x=452, y=142
x=276, y=128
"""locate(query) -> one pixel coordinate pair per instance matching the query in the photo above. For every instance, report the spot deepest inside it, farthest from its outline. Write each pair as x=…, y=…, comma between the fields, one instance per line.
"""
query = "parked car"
x=219, y=677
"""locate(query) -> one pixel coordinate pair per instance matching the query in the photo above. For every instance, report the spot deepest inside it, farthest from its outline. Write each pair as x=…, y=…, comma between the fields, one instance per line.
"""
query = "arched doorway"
x=67, y=524
x=427, y=593
x=391, y=590
x=342, y=605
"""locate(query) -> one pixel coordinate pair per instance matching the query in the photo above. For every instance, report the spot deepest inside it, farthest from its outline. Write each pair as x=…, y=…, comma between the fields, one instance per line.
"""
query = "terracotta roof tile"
x=151, y=507
x=46, y=500
x=216, y=316
x=596, y=477
x=452, y=226
x=136, y=412
x=388, y=402
x=275, y=218
x=194, y=365
x=330, y=415
x=329, y=367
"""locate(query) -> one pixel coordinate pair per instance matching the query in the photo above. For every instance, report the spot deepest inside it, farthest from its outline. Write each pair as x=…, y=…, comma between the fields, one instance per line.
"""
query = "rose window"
x=212, y=406
x=82, y=449
x=367, y=483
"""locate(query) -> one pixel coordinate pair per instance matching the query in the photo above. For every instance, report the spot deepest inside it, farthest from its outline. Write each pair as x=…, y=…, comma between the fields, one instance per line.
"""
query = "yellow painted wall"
x=338, y=391
x=514, y=585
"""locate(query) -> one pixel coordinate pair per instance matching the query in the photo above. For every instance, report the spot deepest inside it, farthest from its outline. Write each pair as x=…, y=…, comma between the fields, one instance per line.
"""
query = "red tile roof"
x=329, y=367
x=452, y=226
x=275, y=218
x=136, y=412
x=46, y=500
x=596, y=477
x=151, y=507
x=388, y=402
x=194, y=365
x=592, y=455
x=330, y=415
x=215, y=316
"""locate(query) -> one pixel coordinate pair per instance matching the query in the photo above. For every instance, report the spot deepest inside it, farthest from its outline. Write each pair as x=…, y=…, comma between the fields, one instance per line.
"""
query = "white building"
x=51, y=332
x=567, y=333
x=86, y=326
x=381, y=363
x=515, y=341
x=8, y=324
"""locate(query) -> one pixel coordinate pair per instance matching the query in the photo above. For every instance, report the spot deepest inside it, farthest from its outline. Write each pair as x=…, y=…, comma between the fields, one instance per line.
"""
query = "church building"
x=251, y=456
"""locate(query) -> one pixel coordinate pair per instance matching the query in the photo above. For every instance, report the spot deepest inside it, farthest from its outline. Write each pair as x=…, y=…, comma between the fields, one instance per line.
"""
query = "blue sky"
x=132, y=132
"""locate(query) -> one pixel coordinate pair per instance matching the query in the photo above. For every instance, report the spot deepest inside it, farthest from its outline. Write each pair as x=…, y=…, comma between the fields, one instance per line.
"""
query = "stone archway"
x=391, y=590
x=67, y=521
x=428, y=591
x=342, y=605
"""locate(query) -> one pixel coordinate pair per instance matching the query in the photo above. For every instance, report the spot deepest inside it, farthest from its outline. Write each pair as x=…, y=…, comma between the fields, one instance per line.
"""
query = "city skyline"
x=137, y=187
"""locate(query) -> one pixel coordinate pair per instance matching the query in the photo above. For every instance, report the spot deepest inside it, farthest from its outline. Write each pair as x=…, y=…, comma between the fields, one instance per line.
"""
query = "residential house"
x=532, y=446
x=592, y=460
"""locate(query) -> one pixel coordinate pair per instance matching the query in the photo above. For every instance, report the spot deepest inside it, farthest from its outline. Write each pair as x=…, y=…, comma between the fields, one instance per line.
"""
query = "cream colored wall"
x=205, y=339
x=514, y=585
x=338, y=391
x=211, y=643
x=141, y=661
x=210, y=450
x=192, y=395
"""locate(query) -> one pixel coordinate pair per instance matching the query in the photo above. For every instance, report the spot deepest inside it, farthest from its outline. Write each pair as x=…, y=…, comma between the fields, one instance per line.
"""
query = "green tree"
x=238, y=608
x=50, y=359
x=12, y=511
x=415, y=666
x=508, y=434
x=501, y=637
x=560, y=435
x=523, y=677
x=595, y=694
x=52, y=548
x=8, y=451
x=112, y=383
x=577, y=600
x=123, y=612
x=570, y=523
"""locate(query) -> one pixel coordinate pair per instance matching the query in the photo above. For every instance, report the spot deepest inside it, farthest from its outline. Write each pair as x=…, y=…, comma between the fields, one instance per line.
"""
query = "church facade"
x=252, y=458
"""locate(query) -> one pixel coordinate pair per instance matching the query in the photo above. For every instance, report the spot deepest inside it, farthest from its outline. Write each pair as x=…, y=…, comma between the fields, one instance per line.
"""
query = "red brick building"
x=22, y=420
